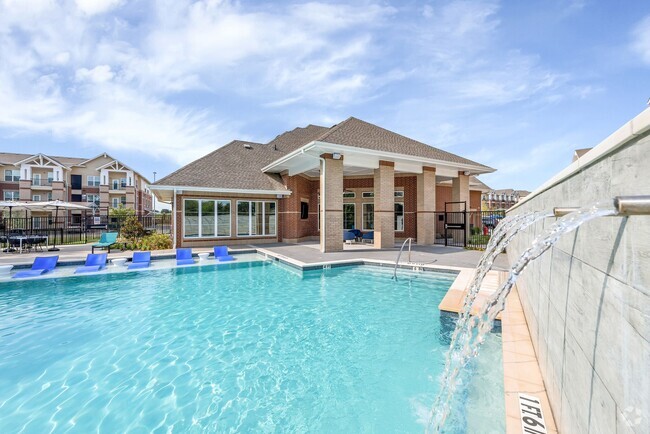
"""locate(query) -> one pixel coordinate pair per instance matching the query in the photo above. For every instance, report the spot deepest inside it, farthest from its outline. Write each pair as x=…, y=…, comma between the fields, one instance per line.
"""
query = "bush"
x=121, y=212
x=132, y=230
x=154, y=241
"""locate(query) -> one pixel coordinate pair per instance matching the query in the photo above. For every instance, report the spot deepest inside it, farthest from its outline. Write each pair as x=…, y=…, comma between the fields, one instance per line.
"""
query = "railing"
x=478, y=228
x=409, y=240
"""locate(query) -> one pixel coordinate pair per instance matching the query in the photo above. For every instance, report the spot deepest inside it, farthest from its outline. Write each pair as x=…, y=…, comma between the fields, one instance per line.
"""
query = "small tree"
x=121, y=212
x=132, y=230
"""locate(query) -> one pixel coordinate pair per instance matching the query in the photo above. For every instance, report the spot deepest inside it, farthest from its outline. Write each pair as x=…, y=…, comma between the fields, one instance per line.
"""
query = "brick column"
x=331, y=204
x=384, y=184
x=58, y=191
x=460, y=193
x=104, y=199
x=130, y=197
x=426, y=206
x=25, y=190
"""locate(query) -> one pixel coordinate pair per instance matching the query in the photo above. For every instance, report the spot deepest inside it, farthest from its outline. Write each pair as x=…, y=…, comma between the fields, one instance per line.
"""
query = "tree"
x=121, y=212
x=132, y=229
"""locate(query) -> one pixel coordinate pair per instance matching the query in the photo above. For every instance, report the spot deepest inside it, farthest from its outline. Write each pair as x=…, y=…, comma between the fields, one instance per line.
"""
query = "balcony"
x=42, y=184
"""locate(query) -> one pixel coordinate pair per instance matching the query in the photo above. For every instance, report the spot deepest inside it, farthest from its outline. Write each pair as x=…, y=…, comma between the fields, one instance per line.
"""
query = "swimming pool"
x=234, y=348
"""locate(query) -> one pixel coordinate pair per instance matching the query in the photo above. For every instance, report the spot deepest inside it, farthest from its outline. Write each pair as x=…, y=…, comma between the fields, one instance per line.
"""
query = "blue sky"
x=516, y=85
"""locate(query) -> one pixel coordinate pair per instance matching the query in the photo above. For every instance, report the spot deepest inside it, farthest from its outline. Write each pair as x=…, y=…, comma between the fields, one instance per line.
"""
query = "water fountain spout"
x=632, y=205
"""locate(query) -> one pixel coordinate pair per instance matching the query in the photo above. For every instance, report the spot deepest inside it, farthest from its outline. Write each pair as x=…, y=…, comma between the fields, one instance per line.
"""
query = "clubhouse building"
x=316, y=183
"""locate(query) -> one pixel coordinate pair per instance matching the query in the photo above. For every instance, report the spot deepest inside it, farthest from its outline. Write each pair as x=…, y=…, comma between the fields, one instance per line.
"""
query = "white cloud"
x=98, y=74
x=641, y=39
x=93, y=7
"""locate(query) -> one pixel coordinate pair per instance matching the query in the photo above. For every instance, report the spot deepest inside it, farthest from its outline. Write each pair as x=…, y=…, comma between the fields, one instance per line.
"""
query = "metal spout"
x=632, y=205
x=562, y=211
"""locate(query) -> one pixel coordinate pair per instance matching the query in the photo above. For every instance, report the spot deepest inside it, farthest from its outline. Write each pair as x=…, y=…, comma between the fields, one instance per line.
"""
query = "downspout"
x=174, y=218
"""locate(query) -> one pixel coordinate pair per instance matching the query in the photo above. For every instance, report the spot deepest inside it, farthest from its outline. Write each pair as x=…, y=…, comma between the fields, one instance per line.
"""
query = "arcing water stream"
x=470, y=331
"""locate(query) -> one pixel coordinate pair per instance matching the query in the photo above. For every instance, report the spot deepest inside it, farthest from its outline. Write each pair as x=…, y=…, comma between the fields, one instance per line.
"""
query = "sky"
x=516, y=85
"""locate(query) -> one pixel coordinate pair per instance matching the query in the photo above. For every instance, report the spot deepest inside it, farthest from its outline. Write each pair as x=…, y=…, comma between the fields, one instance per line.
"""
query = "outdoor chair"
x=94, y=262
x=184, y=256
x=349, y=236
x=369, y=236
x=221, y=254
x=41, y=265
x=140, y=260
x=106, y=240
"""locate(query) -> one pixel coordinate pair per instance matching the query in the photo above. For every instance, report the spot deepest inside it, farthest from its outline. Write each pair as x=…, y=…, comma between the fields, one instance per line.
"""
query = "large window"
x=12, y=175
x=93, y=181
x=204, y=218
x=11, y=195
x=255, y=218
x=349, y=215
x=399, y=216
x=368, y=216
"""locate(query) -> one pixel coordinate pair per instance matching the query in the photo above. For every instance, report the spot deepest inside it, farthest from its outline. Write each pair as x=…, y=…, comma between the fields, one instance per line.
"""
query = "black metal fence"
x=469, y=229
x=78, y=229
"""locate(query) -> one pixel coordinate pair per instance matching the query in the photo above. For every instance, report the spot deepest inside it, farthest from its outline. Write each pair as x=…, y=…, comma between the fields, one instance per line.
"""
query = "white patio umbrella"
x=55, y=205
x=11, y=204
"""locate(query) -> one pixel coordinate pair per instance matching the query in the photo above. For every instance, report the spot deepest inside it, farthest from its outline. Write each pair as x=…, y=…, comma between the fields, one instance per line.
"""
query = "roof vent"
x=248, y=146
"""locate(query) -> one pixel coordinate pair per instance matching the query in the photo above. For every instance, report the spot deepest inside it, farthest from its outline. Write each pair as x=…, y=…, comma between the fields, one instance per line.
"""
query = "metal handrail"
x=400, y=254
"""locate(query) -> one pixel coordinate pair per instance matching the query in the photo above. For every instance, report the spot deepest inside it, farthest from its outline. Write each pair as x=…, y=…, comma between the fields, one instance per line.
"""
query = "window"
x=49, y=197
x=399, y=194
x=206, y=218
x=11, y=195
x=116, y=202
x=399, y=216
x=75, y=198
x=93, y=181
x=116, y=184
x=92, y=199
x=368, y=194
x=349, y=195
x=349, y=215
x=75, y=181
x=123, y=182
x=36, y=198
x=36, y=179
x=12, y=175
x=304, y=210
x=368, y=216
x=50, y=177
x=256, y=218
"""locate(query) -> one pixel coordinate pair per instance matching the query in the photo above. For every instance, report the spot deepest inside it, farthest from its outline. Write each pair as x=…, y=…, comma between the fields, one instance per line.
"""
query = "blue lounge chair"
x=140, y=260
x=349, y=236
x=106, y=240
x=221, y=254
x=41, y=265
x=94, y=262
x=184, y=256
x=369, y=236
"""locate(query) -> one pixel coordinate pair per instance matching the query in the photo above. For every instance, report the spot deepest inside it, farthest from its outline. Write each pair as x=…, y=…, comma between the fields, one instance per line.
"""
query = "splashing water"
x=471, y=331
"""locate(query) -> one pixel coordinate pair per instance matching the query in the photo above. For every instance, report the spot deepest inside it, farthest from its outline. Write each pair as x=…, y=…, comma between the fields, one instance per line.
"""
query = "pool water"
x=255, y=347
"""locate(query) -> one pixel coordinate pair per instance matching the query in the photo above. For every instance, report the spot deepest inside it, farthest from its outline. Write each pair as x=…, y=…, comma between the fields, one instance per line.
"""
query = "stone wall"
x=587, y=300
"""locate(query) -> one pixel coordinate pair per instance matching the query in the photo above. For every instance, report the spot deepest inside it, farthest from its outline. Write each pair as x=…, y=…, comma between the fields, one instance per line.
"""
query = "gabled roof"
x=361, y=134
x=236, y=166
x=15, y=158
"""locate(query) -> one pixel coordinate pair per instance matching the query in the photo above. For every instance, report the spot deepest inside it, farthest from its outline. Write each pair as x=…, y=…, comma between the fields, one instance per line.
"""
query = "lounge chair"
x=369, y=236
x=106, y=240
x=94, y=262
x=140, y=260
x=184, y=256
x=349, y=236
x=221, y=254
x=41, y=265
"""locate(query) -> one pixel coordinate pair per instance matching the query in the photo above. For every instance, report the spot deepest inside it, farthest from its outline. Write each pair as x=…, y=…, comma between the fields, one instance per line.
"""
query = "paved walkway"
x=308, y=253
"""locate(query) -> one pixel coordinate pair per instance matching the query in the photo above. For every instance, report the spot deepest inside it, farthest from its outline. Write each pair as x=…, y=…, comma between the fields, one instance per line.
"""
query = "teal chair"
x=106, y=241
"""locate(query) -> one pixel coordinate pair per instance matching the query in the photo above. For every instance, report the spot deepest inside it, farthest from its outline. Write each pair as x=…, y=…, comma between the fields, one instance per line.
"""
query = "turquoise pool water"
x=250, y=347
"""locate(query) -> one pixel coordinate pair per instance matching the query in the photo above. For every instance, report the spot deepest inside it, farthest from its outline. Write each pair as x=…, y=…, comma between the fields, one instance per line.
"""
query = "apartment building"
x=500, y=200
x=101, y=182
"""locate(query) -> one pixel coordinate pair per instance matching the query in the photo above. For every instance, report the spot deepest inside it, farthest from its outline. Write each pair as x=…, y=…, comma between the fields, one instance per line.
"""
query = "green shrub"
x=155, y=241
x=132, y=230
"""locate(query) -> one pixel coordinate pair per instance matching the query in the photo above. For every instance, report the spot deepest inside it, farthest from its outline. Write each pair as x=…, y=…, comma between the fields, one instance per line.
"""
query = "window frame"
x=94, y=178
x=368, y=195
x=363, y=220
x=250, y=217
x=12, y=198
x=34, y=196
x=216, y=218
x=354, y=215
x=399, y=194
x=349, y=195
x=395, y=218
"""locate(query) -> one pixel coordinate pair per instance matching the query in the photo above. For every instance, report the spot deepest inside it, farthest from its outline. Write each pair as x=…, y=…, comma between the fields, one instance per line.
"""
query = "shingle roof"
x=234, y=166
x=12, y=158
x=361, y=134
x=238, y=167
